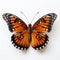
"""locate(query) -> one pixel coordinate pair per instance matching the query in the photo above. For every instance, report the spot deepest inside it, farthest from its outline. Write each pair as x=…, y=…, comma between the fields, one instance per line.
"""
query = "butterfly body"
x=30, y=31
x=24, y=35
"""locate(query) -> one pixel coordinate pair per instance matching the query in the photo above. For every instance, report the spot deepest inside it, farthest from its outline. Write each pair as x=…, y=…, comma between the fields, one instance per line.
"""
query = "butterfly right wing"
x=39, y=40
x=43, y=25
x=20, y=38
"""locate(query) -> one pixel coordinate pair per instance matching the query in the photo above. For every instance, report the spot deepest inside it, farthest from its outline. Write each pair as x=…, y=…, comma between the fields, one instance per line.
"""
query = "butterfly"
x=24, y=35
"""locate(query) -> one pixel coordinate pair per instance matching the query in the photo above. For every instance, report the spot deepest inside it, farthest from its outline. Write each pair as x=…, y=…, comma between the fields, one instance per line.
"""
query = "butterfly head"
x=30, y=25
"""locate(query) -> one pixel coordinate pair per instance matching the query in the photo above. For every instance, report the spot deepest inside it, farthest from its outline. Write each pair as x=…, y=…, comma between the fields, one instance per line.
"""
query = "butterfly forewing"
x=44, y=24
x=15, y=24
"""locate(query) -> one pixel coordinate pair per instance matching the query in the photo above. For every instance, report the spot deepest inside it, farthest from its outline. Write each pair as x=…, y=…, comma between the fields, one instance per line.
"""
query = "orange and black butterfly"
x=24, y=35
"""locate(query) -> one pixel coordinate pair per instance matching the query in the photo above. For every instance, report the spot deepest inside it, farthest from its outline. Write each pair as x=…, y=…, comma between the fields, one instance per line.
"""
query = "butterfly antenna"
x=25, y=16
x=34, y=16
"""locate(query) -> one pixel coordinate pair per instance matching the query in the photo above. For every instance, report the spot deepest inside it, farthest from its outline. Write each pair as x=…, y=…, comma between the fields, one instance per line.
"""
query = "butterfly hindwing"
x=21, y=40
x=39, y=40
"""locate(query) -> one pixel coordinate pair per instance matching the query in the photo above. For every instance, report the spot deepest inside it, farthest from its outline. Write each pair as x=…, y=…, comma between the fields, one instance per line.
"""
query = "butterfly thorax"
x=30, y=28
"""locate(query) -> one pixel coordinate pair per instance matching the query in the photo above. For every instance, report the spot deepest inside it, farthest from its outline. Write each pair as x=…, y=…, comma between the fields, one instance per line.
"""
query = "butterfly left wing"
x=15, y=24
x=20, y=38
x=43, y=25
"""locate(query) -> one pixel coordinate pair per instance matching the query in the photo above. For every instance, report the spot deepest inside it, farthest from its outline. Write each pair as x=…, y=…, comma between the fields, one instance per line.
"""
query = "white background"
x=29, y=8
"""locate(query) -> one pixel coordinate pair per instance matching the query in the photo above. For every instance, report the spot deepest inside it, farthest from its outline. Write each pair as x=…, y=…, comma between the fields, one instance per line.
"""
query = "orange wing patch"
x=17, y=26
